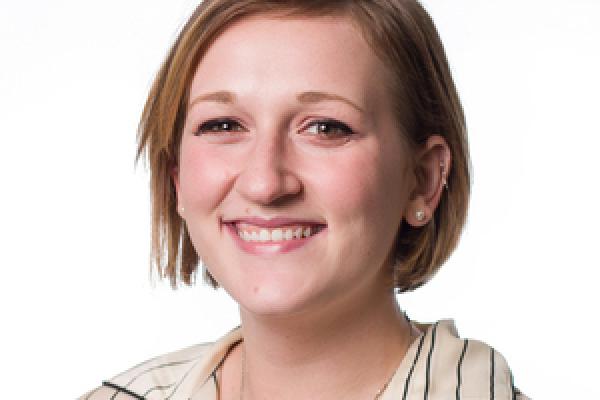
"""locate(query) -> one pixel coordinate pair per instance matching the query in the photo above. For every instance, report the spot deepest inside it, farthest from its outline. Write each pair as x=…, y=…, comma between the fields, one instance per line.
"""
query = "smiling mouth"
x=270, y=236
x=252, y=233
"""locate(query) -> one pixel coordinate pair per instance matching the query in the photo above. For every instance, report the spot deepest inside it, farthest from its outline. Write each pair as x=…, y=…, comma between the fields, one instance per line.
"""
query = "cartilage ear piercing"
x=420, y=214
x=444, y=181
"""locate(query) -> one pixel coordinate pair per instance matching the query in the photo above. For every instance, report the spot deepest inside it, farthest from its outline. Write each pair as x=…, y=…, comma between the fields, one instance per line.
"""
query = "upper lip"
x=272, y=222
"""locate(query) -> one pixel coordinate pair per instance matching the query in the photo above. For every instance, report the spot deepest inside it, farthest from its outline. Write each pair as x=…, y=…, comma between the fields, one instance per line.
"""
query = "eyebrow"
x=310, y=97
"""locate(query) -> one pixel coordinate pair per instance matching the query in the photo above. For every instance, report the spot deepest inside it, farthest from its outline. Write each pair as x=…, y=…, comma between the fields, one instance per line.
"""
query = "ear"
x=432, y=166
x=174, y=173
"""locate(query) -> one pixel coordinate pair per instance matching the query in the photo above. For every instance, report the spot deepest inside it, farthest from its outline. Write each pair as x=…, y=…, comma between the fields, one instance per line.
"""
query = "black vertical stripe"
x=428, y=367
x=217, y=388
x=459, y=368
x=412, y=368
x=512, y=386
x=492, y=373
x=222, y=361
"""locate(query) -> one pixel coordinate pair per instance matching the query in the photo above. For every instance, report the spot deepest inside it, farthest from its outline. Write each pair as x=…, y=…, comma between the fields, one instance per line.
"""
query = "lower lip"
x=265, y=248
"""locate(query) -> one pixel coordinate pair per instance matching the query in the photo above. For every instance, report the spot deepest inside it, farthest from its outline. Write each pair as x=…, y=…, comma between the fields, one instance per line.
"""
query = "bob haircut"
x=403, y=36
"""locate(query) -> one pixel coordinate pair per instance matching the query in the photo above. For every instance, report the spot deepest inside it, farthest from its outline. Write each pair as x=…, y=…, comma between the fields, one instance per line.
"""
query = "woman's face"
x=290, y=132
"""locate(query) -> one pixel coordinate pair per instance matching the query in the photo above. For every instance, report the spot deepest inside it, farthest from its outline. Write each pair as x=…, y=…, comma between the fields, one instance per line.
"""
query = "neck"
x=325, y=355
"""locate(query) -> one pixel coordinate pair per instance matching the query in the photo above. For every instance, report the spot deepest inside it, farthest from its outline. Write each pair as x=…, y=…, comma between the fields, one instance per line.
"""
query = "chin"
x=274, y=298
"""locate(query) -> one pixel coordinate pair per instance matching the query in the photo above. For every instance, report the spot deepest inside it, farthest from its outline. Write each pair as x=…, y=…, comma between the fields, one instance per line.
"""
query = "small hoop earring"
x=420, y=214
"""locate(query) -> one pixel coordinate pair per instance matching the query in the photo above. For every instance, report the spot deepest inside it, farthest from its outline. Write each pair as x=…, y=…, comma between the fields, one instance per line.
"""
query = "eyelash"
x=209, y=127
x=332, y=123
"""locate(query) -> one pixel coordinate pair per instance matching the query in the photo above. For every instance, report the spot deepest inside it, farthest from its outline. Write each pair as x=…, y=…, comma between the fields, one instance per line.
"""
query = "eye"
x=218, y=126
x=328, y=128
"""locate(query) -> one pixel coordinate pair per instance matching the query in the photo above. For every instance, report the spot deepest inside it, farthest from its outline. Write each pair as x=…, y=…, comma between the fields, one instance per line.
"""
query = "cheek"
x=361, y=184
x=364, y=195
x=203, y=178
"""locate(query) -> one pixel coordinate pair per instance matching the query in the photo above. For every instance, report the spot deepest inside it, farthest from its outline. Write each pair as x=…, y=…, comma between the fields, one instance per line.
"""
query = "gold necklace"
x=377, y=395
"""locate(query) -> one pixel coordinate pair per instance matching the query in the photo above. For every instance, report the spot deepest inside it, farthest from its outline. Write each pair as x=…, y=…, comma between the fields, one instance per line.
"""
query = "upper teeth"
x=277, y=234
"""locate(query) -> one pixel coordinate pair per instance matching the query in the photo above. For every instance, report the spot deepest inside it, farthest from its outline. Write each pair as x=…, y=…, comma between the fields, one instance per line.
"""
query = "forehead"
x=269, y=56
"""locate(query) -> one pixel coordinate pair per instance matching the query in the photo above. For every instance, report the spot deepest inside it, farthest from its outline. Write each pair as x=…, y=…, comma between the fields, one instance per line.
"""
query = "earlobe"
x=418, y=213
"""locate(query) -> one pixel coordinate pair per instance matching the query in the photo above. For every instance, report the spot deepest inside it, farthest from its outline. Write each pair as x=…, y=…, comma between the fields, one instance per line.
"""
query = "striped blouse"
x=438, y=366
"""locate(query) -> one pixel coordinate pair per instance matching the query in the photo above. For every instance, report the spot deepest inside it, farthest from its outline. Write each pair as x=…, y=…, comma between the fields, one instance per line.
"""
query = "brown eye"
x=218, y=126
x=329, y=128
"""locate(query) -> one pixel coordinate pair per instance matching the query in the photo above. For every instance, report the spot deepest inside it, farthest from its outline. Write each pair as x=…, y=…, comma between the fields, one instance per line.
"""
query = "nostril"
x=268, y=183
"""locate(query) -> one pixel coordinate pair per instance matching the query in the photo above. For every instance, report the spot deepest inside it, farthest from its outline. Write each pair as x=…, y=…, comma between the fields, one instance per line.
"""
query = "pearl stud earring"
x=420, y=214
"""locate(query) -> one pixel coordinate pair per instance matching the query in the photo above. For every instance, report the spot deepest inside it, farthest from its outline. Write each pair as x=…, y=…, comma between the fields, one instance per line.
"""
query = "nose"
x=267, y=174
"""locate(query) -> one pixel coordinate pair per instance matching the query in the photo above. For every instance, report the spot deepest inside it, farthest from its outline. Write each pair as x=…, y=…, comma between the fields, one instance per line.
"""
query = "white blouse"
x=438, y=366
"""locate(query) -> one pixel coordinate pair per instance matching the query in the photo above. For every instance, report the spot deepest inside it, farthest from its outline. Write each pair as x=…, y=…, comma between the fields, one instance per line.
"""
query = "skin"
x=313, y=318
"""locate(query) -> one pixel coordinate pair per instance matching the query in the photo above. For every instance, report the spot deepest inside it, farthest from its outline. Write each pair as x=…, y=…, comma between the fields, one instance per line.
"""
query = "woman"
x=312, y=157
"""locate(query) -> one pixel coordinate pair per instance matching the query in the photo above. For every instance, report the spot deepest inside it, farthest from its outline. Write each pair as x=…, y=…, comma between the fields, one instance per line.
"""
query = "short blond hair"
x=403, y=36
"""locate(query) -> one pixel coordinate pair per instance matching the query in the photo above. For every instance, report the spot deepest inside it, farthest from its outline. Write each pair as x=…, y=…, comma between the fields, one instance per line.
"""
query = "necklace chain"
x=377, y=395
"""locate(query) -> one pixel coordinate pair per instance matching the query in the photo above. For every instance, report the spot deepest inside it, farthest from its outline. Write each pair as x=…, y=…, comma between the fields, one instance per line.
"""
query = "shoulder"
x=468, y=368
x=155, y=375
x=173, y=375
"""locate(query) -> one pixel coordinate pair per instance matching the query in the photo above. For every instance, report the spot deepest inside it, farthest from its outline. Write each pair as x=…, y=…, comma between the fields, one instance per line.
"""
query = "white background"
x=77, y=303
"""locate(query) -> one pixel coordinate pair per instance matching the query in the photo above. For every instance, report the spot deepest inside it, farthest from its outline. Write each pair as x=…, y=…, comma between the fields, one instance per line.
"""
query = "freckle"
x=255, y=289
x=247, y=211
